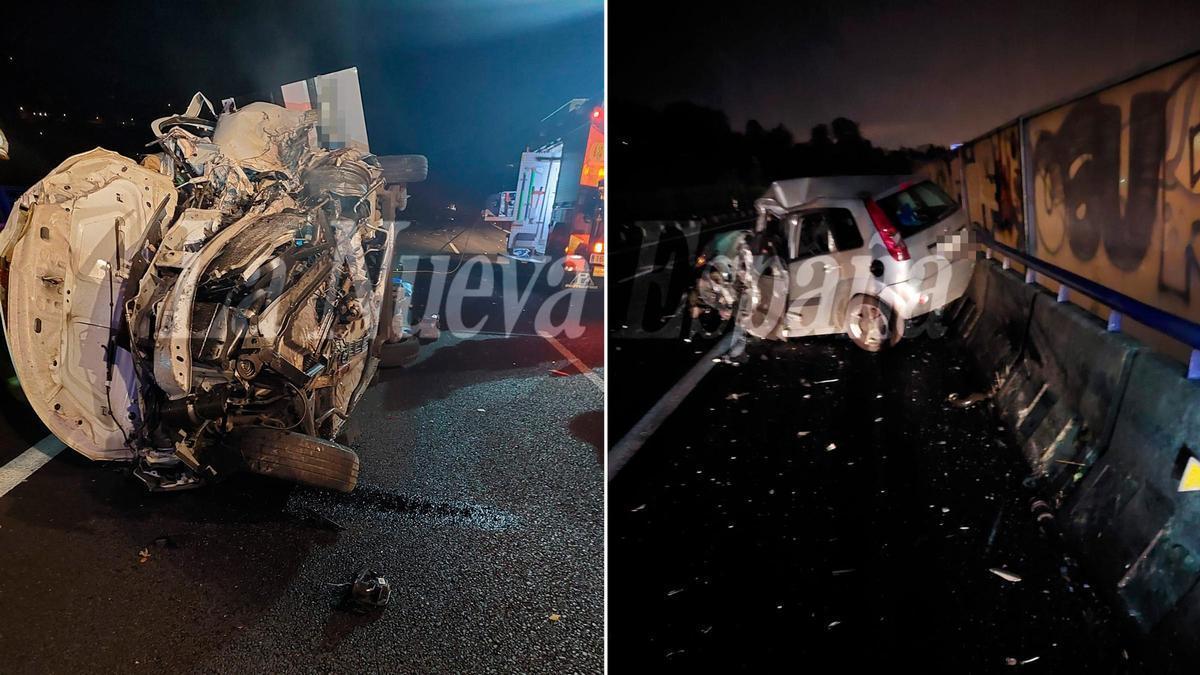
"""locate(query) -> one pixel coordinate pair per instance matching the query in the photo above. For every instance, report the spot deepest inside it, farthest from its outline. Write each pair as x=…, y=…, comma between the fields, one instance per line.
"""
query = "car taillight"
x=598, y=248
x=887, y=231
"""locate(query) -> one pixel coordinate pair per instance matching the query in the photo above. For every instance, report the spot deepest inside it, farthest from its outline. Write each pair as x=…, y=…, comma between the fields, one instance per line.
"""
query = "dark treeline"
x=686, y=159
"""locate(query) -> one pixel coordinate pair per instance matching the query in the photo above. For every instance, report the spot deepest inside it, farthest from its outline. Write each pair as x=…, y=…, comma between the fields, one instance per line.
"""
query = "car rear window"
x=917, y=207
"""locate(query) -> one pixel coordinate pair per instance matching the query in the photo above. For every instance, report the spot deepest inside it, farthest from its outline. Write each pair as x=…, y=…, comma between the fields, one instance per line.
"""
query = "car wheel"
x=296, y=457
x=871, y=323
x=404, y=168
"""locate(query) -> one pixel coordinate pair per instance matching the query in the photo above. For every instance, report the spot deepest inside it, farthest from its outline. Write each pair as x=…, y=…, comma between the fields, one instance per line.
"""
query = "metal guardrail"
x=653, y=231
x=1119, y=304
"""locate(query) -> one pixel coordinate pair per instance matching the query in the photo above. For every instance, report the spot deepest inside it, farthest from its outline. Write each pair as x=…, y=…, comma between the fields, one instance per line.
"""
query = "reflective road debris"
x=757, y=526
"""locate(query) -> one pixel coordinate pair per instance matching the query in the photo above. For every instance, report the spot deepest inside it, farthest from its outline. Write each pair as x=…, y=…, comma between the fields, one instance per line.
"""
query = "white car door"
x=813, y=273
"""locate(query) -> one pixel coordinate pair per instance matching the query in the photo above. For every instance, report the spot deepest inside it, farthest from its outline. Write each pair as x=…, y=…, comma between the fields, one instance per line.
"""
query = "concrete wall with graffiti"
x=993, y=187
x=1113, y=183
x=1116, y=187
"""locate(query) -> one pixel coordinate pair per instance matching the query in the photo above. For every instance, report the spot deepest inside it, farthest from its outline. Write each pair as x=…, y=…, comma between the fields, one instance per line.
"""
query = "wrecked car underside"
x=214, y=308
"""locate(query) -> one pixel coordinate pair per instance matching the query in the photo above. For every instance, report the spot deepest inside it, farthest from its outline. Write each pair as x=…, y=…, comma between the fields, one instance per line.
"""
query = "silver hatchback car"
x=861, y=255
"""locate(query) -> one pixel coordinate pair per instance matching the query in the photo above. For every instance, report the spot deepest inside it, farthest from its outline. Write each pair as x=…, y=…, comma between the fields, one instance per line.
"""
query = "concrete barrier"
x=1107, y=427
x=1004, y=302
x=1129, y=519
x=1062, y=395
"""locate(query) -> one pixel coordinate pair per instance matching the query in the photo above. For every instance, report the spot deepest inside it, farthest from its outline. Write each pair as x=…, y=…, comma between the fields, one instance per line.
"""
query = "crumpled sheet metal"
x=265, y=137
x=260, y=153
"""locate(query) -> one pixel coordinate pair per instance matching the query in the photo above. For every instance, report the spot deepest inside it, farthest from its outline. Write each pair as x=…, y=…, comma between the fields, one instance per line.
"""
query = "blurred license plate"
x=598, y=270
x=597, y=258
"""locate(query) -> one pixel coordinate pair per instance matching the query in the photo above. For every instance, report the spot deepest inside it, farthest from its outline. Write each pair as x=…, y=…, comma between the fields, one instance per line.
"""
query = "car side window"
x=813, y=238
x=846, y=235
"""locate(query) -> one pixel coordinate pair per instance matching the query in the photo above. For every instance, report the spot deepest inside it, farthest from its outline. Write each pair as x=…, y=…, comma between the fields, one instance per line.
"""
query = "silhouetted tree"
x=819, y=136
x=687, y=149
x=847, y=131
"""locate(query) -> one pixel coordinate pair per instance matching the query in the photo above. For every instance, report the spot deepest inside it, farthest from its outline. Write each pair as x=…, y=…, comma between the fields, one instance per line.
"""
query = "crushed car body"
x=860, y=255
x=216, y=307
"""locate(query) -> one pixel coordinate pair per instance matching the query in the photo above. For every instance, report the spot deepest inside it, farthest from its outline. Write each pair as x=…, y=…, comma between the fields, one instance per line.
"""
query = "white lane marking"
x=633, y=440
x=579, y=365
x=15, y=472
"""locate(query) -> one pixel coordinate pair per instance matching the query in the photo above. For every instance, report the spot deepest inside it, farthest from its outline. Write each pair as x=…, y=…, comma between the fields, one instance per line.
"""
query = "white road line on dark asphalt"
x=579, y=365
x=631, y=442
x=23, y=465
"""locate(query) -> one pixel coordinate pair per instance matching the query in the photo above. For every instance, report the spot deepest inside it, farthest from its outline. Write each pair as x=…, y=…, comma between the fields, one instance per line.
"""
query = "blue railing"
x=1183, y=330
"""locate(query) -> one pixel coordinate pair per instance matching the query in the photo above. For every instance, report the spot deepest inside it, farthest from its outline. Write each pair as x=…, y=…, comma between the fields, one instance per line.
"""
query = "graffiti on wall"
x=1116, y=186
x=995, y=197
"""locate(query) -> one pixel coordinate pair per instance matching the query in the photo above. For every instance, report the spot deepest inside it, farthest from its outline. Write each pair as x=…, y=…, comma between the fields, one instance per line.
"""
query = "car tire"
x=871, y=323
x=296, y=457
x=404, y=168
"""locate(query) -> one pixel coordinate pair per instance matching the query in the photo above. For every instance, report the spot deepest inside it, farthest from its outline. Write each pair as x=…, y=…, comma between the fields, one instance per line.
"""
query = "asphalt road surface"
x=817, y=504
x=480, y=499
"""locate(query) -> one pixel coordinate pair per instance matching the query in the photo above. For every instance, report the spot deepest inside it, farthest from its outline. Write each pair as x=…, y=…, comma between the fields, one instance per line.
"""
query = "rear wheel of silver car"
x=296, y=457
x=870, y=323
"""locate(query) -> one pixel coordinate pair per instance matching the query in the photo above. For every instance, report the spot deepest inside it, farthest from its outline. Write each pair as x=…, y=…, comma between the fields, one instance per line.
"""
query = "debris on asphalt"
x=559, y=373
x=831, y=446
x=826, y=381
x=1067, y=461
x=555, y=617
x=1005, y=574
x=802, y=434
x=967, y=401
x=143, y=555
x=321, y=518
x=369, y=591
x=1042, y=511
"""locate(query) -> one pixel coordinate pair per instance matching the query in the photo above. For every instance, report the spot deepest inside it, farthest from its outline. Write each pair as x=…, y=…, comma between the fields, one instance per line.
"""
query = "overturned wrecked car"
x=216, y=307
x=860, y=255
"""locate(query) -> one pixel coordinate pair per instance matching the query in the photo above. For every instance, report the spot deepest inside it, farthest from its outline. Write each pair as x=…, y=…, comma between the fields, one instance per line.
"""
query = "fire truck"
x=556, y=213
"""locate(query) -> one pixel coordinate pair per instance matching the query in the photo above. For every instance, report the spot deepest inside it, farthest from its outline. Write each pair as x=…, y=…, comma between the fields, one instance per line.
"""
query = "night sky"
x=909, y=73
x=463, y=82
